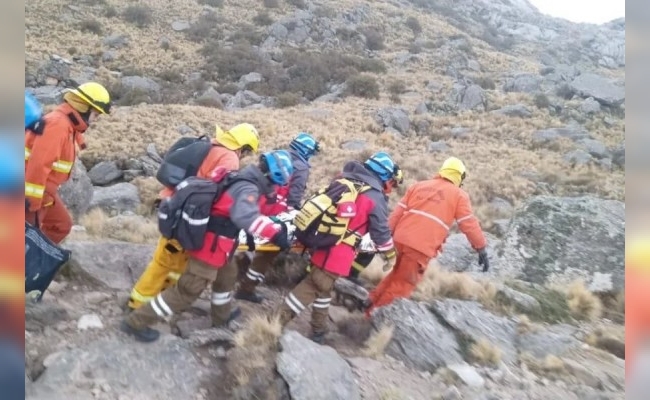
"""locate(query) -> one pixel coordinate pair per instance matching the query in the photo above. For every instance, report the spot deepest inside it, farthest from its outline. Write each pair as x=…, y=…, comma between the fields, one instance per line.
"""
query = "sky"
x=591, y=11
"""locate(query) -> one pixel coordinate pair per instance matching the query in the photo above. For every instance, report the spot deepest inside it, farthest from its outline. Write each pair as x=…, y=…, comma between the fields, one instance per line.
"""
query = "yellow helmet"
x=95, y=95
x=242, y=136
x=454, y=170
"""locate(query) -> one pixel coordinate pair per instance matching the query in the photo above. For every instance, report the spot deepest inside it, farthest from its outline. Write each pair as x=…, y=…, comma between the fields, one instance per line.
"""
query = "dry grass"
x=440, y=283
x=550, y=366
x=582, y=303
x=377, y=342
x=610, y=339
x=484, y=352
x=128, y=228
x=524, y=324
x=373, y=273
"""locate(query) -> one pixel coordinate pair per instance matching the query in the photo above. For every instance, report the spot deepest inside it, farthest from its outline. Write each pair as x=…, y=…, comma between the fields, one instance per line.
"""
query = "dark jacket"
x=299, y=179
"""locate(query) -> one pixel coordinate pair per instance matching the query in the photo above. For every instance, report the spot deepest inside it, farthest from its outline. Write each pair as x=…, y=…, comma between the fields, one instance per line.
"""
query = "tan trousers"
x=316, y=290
x=261, y=262
x=178, y=298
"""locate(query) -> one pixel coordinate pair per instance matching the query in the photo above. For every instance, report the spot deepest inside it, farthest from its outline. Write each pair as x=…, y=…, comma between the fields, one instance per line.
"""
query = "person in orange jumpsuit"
x=420, y=225
x=637, y=305
x=50, y=153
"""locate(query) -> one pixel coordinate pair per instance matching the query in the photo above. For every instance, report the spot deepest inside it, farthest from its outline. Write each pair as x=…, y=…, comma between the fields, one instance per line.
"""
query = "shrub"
x=541, y=101
x=263, y=18
x=485, y=82
x=374, y=40
x=396, y=87
x=414, y=25
x=230, y=64
x=564, y=91
x=110, y=12
x=212, y=3
x=288, y=99
x=415, y=48
x=91, y=25
x=363, y=85
x=171, y=75
x=301, y=4
x=248, y=33
x=272, y=3
x=138, y=14
x=205, y=28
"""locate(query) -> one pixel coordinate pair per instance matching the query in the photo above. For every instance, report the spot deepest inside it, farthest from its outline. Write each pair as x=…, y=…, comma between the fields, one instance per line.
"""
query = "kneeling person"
x=237, y=208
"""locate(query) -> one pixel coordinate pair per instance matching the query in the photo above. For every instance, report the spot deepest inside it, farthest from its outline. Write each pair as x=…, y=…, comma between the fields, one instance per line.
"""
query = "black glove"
x=281, y=239
x=483, y=259
x=250, y=242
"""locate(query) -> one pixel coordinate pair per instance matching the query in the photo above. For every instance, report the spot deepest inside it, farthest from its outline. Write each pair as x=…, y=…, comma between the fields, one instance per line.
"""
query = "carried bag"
x=43, y=259
x=183, y=160
x=322, y=221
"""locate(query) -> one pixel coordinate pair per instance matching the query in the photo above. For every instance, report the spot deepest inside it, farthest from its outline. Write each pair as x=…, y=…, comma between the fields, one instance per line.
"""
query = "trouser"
x=165, y=268
x=178, y=298
x=256, y=270
x=360, y=263
x=403, y=278
x=54, y=220
x=314, y=289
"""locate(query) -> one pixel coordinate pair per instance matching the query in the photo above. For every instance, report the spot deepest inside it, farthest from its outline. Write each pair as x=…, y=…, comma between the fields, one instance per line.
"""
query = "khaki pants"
x=316, y=290
x=165, y=268
x=178, y=298
x=257, y=270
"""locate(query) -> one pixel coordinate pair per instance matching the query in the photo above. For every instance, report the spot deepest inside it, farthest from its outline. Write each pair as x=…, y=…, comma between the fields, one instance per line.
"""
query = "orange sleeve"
x=397, y=213
x=468, y=223
x=46, y=150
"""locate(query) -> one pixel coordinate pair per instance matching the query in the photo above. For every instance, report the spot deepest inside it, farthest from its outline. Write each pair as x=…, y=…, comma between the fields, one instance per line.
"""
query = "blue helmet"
x=33, y=110
x=305, y=145
x=277, y=166
x=383, y=165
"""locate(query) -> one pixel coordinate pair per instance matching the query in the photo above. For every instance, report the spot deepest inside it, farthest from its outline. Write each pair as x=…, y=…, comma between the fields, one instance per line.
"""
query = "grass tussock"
x=355, y=327
x=549, y=366
x=611, y=340
x=484, y=352
x=582, y=303
x=378, y=341
x=439, y=283
x=128, y=228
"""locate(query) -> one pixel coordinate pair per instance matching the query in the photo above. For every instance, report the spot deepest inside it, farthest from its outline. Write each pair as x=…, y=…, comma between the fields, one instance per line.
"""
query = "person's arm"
x=297, y=187
x=399, y=210
x=468, y=223
x=378, y=223
x=45, y=151
x=245, y=211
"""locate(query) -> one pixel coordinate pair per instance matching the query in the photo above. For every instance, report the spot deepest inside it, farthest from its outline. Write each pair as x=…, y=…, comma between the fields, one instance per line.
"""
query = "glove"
x=483, y=259
x=281, y=239
x=390, y=257
x=250, y=242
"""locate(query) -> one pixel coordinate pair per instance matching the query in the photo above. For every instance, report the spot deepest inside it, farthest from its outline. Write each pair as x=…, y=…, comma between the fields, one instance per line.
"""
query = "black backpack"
x=43, y=259
x=185, y=216
x=183, y=160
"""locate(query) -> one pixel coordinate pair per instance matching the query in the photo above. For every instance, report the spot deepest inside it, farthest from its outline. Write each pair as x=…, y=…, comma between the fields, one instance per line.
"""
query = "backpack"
x=185, y=216
x=183, y=159
x=43, y=259
x=322, y=221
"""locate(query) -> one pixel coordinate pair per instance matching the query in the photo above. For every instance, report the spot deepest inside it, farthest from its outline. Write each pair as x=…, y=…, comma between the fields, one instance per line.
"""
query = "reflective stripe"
x=161, y=308
x=459, y=220
x=294, y=303
x=357, y=266
x=401, y=205
x=181, y=185
x=162, y=216
x=386, y=246
x=260, y=223
x=195, y=222
x=429, y=216
x=322, y=303
x=161, y=302
x=135, y=295
x=219, y=299
x=254, y=275
x=175, y=276
x=62, y=166
x=28, y=153
x=33, y=190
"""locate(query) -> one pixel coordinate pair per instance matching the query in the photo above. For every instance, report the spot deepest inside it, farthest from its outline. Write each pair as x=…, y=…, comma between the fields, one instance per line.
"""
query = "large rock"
x=468, y=97
x=458, y=255
x=395, y=118
x=470, y=320
x=77, y=192
x=111, y=264
x=523, y=83
x=515, y=110
x=419, y=339
x=104, y=173
x=116, y=198
x=600, y=88
x=126, y=369
x=554, y=340
x=314, y=372
x=560, y=239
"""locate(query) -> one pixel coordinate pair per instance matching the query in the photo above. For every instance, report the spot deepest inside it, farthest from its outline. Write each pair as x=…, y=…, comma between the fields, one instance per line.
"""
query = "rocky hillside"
x=534, y=105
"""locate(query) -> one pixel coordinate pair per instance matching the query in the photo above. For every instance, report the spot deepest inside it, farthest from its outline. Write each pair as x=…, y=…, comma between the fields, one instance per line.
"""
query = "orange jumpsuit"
x=420, y=224
x=49, y=158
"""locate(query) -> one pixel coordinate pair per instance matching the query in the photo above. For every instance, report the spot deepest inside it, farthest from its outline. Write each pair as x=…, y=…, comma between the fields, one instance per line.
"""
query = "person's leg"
x=261, y=262
x=165, y=268
x=172, y=300
x=222, y=287
x=323, y=282
x=54, y=218
x=299, y=298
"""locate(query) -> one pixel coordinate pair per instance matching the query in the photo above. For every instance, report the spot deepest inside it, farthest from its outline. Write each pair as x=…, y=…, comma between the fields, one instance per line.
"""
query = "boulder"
x=600, y=88
x=553, y=340
x=110, y=264
x=104, y=173
x=523, y=83
x=419, y=339
x=515, y=110
x=116, y=198
x=395, y=118
x=618, y=155
x=313, y=371
x=590, y=106
x=438, y=147
x=468, y=97
x=560, y=239
x=458, y=255
x=77, y=192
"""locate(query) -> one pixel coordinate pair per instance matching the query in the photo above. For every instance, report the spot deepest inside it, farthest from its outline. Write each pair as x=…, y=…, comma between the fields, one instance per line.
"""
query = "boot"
x=145, y=335
x=234, y=314
x=253, y=297
x=317, y=337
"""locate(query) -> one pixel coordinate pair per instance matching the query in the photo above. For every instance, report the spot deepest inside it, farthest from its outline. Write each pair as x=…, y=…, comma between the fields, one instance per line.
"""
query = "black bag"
x=43, y=259
x=183, y=160
x=185, y=215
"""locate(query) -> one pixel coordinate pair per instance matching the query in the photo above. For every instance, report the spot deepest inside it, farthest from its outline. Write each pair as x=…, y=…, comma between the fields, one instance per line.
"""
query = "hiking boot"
x=248, y=296
x=234, y=314
x=145, y=335
x=317, y=337
x=366, y=304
